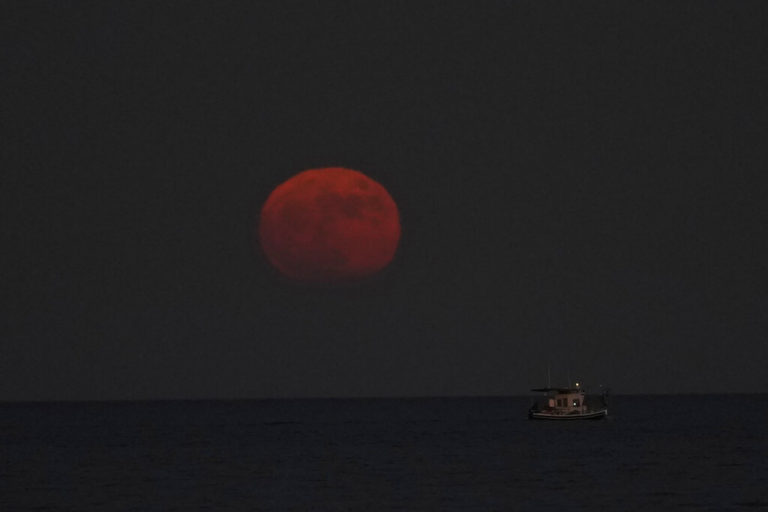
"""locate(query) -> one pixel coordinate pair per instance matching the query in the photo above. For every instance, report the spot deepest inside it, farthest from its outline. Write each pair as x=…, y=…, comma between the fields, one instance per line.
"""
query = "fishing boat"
x=567, y=404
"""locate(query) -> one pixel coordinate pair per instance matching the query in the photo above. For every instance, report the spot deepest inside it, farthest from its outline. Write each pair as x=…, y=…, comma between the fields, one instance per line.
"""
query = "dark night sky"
x=578, y=184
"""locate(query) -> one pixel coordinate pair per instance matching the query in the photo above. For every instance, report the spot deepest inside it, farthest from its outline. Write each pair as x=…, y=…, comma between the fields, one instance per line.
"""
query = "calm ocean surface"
x=653, y=453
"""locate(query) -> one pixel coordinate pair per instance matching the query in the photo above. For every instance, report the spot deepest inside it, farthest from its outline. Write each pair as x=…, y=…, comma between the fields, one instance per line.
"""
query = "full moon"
x=329, y=225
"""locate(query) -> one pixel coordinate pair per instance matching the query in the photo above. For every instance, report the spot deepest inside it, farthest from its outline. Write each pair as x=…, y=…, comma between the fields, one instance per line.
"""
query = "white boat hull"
x=590, y=415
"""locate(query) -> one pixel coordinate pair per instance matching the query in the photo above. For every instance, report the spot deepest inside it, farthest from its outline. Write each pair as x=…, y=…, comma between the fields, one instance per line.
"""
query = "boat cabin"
x=563, y=400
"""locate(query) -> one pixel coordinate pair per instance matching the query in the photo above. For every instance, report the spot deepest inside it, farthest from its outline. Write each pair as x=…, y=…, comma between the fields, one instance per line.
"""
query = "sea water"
x=695, y=452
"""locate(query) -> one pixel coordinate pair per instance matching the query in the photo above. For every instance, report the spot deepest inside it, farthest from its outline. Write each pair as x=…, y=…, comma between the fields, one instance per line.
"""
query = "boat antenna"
x=549, y=381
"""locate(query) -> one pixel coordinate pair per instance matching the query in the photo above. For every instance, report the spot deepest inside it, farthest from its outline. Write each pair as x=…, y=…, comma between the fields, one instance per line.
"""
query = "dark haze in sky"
x=579, y=185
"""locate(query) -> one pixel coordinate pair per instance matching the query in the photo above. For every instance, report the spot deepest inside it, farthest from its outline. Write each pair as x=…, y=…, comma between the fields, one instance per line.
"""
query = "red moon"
x=329, y=225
